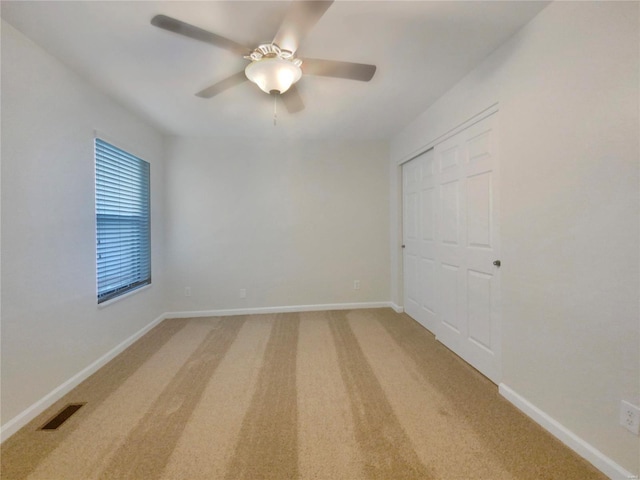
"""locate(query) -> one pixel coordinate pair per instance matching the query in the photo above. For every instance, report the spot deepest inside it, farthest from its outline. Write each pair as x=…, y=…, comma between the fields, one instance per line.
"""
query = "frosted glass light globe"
x=273, y=74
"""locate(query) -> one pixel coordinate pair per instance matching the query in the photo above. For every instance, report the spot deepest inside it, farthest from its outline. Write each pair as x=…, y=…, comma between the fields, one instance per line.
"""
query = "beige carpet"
x=360, y=394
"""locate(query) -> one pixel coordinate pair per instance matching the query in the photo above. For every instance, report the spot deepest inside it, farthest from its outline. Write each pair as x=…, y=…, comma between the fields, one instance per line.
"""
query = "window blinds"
x=122, y=216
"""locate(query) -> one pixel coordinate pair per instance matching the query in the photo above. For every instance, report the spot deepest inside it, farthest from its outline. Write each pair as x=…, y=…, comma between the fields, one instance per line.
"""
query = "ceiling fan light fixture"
x=273, y=74
x=273, y=69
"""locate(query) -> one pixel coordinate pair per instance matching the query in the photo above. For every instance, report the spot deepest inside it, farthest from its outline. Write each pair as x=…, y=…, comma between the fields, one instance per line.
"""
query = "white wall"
x=293, y=223
x=52, y=327
x=296, y=223
x=567, y=87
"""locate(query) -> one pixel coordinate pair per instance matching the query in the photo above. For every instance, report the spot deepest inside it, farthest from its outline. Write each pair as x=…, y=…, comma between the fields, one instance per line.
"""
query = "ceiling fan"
x=274, y=67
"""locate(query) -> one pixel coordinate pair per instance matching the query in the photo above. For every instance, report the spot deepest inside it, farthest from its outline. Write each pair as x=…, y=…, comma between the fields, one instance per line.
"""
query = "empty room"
x=320, y=240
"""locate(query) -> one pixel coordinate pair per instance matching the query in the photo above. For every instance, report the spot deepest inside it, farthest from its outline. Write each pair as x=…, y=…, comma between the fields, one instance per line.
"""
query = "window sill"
x=123, y=296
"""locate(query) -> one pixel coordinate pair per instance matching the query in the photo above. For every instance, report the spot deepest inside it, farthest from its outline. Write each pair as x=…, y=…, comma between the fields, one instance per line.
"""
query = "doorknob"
x=403, y=246
x=497, y=263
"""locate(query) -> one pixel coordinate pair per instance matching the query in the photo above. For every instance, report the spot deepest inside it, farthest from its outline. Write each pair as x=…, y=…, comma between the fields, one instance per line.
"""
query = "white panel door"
x=410, y=227
x=427, y=241
x=451, y=284
x=419, y=238
x=468, y=245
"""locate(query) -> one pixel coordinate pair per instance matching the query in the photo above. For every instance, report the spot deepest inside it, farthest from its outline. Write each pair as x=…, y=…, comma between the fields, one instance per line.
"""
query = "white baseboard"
x=20, y=420
x=281, y=309
x=396, y=307
x=587, y=451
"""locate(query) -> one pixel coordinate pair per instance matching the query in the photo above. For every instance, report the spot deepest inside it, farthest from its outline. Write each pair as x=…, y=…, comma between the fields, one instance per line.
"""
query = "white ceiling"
x=421, y=48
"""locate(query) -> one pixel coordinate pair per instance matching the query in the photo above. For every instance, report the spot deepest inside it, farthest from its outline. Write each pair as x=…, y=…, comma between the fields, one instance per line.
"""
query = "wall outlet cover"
x=630, y=417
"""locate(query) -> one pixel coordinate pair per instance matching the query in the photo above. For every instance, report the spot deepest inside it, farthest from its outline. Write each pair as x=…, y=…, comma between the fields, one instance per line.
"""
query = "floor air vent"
x=62, y=416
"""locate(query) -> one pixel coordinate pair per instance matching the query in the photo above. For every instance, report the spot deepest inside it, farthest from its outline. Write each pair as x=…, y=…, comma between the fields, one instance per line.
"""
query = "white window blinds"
x=122, y=215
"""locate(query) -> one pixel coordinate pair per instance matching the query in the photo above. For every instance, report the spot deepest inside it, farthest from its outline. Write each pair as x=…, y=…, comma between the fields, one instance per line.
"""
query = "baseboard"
x=20, y=420
x=396, y=307
x=598, y=459
x=281, y=309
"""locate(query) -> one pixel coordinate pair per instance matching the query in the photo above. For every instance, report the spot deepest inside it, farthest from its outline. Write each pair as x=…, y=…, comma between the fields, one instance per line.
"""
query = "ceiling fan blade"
x=292, y=100
x=299, y=20
x=191, y=31
x=334, y=68
x=223, y=85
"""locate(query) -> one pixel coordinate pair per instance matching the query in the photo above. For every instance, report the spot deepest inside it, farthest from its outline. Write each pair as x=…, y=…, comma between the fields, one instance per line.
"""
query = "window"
x=123, y=251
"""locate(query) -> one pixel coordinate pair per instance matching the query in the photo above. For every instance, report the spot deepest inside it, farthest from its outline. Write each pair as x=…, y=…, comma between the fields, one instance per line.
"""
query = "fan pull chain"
x=275, y=112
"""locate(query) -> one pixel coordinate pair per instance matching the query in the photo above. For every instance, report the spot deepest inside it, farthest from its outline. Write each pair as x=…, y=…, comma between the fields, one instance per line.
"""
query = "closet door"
x=454, y=285
x=411, y=172
x=419, y=238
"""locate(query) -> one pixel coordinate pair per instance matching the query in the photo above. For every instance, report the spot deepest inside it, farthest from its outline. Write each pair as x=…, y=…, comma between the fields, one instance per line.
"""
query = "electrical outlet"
x=243, y=293
x=630, y=417
x=356, y=284
x=187, y=291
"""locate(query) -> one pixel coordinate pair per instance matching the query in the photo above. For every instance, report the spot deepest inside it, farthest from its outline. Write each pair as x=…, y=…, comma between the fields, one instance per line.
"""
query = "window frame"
x=119, y=214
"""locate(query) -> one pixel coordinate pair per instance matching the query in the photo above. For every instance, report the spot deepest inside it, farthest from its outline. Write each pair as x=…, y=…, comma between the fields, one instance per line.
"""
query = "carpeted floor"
x=359, y=394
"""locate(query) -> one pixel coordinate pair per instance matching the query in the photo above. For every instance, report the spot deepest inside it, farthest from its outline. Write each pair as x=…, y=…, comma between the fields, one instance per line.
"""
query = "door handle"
x=403, y=246
x=497, y=263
